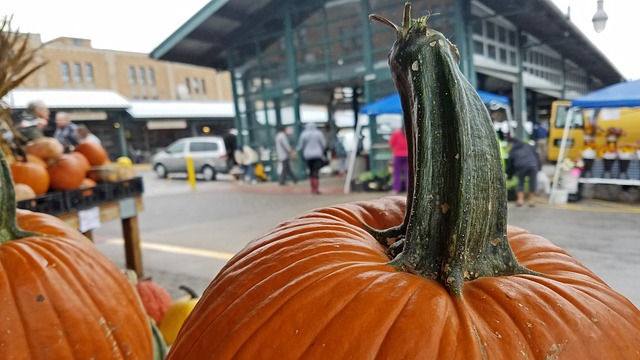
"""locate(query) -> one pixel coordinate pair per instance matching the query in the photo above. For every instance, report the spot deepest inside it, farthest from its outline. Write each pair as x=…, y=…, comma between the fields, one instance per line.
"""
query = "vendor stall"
x=615, y=163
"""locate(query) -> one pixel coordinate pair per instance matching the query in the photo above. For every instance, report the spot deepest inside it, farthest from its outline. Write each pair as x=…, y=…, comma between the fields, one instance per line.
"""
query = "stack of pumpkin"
x=47, y=167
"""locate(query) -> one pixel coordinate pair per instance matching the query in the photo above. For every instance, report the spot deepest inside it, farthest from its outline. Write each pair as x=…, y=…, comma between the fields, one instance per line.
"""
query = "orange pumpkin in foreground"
x=60, y=297
x=455, y=283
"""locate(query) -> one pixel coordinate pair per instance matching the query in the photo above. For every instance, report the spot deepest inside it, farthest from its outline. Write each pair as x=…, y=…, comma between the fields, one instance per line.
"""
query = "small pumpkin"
x=31, y=173
x=46, y=148
x=176, y=314
x=94, y=152
x=439, y=276
x=155, y=298
x=66, y=173
x=24, y=192
x=60, y=297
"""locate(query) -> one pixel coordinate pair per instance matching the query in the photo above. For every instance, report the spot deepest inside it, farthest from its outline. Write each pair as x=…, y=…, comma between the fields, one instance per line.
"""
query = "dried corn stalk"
x=16, y=64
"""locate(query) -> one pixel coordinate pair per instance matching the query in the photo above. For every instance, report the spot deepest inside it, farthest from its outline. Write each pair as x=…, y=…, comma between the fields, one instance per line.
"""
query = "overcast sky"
x=141, y=25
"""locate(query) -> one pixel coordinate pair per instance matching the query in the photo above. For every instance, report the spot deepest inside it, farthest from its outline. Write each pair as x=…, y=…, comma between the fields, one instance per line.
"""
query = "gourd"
x=176, y=314
x=60, y=297
x=155, y=298
x=437, y=276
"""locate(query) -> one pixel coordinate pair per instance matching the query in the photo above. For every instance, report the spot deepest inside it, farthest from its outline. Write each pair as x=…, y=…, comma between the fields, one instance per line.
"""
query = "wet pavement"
x=189, y=234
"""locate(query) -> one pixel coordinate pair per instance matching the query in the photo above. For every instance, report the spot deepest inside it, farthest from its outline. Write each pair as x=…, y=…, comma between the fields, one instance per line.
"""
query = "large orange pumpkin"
x=31, y=173
x=60, y=297
x=94, y=152
x=456, y=283
x=66, y=172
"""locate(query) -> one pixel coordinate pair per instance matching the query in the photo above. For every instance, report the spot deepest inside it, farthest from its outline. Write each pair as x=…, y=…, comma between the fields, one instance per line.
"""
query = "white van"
x=209, y=155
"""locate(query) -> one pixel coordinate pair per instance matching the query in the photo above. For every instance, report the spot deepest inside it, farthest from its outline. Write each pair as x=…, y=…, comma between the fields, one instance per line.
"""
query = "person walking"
x=33, y=120
x=400, y=152
x=541, y=135
x=65, y=131
x=312, y=146
x=284, y=153
x=247, y=158
x=523, y=162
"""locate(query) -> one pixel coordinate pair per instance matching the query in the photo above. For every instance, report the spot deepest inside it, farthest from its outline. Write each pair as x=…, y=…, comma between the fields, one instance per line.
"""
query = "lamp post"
x=599, y=18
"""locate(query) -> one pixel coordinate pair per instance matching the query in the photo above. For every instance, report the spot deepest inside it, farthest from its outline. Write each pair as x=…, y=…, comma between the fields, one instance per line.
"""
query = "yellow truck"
x=627, y=119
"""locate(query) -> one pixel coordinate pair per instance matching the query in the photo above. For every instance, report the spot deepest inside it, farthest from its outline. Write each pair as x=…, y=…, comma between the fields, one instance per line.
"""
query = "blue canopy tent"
x=391, y=104
x=624, y=94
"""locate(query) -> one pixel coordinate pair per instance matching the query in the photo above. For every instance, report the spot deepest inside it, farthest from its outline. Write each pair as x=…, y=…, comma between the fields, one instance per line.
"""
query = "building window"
x=143, y=76
x=77, y=73
x=503, y=56
x=478, y=47
x=491, y=30
x=132, y=75
x=196, y=86
x=152, y=76
x=88, y=73
x=188, y=83
x=204, y=86
x=65, y=72
x=491, y=52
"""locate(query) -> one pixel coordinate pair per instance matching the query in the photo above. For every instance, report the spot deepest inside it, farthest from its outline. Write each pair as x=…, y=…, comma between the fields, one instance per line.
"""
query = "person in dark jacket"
x=523, y=162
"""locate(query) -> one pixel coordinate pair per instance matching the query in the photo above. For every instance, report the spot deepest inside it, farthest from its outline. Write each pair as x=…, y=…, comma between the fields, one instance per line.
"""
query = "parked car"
x=209, y=155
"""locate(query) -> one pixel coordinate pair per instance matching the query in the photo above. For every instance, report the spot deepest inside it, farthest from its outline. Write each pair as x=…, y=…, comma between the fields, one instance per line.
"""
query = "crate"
x=80, y=199
x=50, y=203
x=128, y=188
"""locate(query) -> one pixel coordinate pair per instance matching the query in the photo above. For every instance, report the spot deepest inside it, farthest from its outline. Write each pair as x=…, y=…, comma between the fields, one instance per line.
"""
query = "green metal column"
x=464, y=38
x=122, y=139
x=519, y=91
x=369, y=78
x=299, y=167
x=236, y=105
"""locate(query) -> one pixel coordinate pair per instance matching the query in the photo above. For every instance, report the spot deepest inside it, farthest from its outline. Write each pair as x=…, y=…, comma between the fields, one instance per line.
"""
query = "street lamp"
x=599, y=18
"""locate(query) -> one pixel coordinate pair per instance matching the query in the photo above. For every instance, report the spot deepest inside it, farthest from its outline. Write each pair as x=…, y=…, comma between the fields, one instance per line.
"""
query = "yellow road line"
x=617, y=209
x=178, y=249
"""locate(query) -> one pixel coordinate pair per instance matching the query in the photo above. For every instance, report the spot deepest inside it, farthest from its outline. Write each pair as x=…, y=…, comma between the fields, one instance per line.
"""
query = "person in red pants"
x=398, y=144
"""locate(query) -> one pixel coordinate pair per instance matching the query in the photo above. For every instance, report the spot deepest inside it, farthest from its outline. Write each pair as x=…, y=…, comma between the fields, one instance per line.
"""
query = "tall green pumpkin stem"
x=456, y=226
x=9, y=229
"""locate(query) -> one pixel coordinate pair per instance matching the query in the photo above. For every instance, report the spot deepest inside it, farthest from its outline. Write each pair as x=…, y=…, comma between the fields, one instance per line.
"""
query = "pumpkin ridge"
x=343, y=272
x=30, y=259
x=50, y=248
x=400, y=309
x=76, y=280
x=280, y=241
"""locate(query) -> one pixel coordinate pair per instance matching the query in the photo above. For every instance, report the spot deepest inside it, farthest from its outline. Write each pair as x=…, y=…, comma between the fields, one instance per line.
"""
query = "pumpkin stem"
x=9, y=229
x=456, y=225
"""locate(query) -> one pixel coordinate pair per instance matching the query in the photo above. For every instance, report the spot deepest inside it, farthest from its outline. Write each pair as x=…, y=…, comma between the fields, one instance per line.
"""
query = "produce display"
x=61, y=297
x=438, y=275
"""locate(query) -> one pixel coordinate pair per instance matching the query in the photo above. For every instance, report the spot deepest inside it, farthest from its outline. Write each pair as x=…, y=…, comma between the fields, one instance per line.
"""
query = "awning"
x=391, y=104
x=67, y=99
x=158, y=109
x=624, y=94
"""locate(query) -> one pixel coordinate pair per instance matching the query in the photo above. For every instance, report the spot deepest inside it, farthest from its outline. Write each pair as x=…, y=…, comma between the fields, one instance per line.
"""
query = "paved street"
x=188, y=235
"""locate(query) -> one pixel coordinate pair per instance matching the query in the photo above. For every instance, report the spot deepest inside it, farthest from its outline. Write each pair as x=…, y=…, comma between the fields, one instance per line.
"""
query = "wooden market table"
x=126, y=210
x=87, y=209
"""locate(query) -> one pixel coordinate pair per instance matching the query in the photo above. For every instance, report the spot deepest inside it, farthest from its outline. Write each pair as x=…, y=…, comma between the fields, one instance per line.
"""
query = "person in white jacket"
x=312, y=146
x=284, y=153
x=247, y=158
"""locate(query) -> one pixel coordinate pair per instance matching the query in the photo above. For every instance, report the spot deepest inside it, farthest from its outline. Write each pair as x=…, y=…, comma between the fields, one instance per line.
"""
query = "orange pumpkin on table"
x=66, y=172
x=438, y=275
x=31, y=173
x=95, y=153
